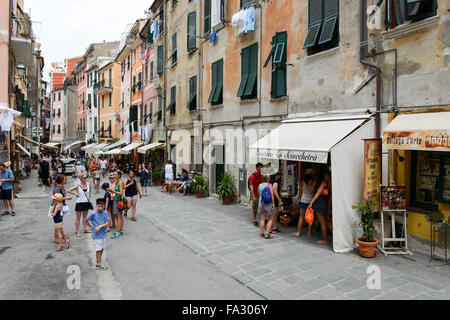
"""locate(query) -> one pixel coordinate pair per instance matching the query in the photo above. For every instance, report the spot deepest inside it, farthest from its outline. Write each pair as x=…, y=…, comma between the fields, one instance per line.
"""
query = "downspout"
x=362, y=55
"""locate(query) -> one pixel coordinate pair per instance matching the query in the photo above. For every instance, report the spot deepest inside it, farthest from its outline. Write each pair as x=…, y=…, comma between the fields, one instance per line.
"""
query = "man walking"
x=254, y=182
x=7, y=181
x=103, y=164
x=169, y=176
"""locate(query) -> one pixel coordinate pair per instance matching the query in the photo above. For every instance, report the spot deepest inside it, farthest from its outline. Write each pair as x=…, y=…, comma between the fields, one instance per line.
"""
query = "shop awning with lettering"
x=306, y=139
x=419, y=131
x=144, y=149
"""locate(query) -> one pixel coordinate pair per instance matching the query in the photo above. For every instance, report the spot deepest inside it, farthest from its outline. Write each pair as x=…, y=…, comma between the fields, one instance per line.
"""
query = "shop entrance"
x=219, y=164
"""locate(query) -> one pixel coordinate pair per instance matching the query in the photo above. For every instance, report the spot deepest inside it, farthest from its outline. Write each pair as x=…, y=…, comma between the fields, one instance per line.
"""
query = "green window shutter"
x=315, y=19
x=214, y=82
x=244, y=71
x=207, y=17
x=192, y=31
x=160, y=58
x=270, y=55
x=149, y=36
x=192, y=104
x=250, y=89
x=110, y=77
x=331, y=13
x=174, y=48
x=151, y=70
x=218, y=95
x=278, y=85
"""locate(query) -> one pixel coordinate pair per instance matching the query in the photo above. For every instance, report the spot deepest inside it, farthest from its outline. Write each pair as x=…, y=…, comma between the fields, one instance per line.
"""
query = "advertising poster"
x=372, y=171
x=393, y=198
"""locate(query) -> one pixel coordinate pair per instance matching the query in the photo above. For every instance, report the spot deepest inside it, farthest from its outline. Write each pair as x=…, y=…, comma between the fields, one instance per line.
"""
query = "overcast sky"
x=66, y=28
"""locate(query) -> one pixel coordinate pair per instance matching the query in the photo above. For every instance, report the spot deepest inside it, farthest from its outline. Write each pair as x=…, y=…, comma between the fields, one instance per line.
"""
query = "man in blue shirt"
x=7, y=181
x=100, y=221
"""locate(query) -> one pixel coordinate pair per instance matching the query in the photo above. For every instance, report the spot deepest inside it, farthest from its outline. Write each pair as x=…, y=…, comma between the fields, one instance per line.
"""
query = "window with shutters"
x=95, y=124
x=139, y=83
x=173, y=56
x=400, y=12
x=159, y=113
x=323, y=26
x=134, y=117
x=149, y=36
x=150, y=114
x=110, y=78
x=278, y=55
x=109, y=128
x=160, y=62
x=133, y=89
x=248, y=3
x=141, y=111
x=145, y=114
x=161, y=19
x=192, y=102
x=110, y=100
x=192, y=31
x=103, y=102
x=151, y=71
x=207, y=17
x=216, y=94
x=146, y=73
x=173, y=100
x=249, y=73
x=129, y=62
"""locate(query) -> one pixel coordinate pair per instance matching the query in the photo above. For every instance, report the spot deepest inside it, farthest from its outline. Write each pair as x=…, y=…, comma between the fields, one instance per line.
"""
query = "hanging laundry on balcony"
x=154, y=29
x=6, y=121
x=250, y=20
x=213, y=37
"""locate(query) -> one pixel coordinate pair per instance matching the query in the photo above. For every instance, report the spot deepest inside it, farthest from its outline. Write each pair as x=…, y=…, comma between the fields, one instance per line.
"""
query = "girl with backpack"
x=266, y=207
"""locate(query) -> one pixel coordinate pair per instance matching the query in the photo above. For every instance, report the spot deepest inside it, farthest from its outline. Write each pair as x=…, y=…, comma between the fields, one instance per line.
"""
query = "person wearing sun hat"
x=57, y=214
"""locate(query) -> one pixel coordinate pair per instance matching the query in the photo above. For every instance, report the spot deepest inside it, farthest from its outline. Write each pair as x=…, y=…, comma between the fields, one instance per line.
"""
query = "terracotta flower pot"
x=226, y=200
x=200, y=194
x=158, y=183
x=367, y=249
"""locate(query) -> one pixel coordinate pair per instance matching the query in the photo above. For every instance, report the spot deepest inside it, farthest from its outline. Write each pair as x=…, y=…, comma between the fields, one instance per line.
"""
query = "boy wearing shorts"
x=100, y=221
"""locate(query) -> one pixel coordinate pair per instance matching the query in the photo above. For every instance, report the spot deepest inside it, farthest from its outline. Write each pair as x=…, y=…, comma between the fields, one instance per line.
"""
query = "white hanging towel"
x=6, y=120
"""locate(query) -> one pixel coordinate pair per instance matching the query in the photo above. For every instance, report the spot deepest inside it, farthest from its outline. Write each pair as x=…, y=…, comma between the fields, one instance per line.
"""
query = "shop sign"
x=303, y=156
x=372, y=171
x=417, y=140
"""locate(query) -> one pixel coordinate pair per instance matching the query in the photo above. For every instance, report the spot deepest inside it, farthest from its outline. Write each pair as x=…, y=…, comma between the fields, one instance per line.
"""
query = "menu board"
x=393, y=198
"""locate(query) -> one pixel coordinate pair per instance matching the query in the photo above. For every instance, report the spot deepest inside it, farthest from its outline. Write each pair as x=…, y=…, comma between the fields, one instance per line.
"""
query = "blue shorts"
x=103, y=170
x=304, y=206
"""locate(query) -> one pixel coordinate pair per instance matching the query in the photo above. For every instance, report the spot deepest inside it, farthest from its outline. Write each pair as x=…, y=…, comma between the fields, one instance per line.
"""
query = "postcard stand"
x=387, y=192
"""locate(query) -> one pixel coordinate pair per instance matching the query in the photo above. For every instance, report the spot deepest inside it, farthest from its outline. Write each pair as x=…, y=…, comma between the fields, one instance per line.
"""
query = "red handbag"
x=309, y=216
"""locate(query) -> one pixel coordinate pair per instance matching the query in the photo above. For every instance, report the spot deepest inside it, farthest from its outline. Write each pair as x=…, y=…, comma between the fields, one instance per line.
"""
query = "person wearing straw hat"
x=57, y=214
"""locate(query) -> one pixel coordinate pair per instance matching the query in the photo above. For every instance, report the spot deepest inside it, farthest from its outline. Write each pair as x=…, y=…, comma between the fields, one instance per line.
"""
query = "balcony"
x=22, y=40
x=101, y=89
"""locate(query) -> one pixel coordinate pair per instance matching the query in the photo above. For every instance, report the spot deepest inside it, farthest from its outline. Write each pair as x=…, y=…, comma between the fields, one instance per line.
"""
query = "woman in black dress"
x=321, y=205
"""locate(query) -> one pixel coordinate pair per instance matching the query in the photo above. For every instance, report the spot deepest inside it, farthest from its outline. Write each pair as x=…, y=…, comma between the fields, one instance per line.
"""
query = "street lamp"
x=21, y=70
x=159, y=89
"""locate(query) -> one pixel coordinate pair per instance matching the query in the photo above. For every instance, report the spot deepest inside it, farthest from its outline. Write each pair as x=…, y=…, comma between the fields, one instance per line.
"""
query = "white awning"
x=131, y=147
x=51, y=145
x=144, y=149
x=4, y=108
x=23, y=149
x=89, y=146
x=307, y=140
x=112, y=152
x=419, y=131
x=97, y=147
x=73, y=144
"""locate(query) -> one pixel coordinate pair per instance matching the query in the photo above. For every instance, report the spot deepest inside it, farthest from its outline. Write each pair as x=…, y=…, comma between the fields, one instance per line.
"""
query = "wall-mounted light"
x=21, y=70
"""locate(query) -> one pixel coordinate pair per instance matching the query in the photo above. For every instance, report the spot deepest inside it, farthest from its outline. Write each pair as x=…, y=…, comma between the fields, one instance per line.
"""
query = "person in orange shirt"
x=92, y=167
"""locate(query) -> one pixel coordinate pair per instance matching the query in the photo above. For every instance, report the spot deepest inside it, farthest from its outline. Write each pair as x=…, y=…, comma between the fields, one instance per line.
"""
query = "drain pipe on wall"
x=362, y=55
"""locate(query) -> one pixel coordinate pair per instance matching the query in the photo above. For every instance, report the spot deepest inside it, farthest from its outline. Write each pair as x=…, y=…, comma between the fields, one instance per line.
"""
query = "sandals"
x=133, y=219
x=78, y=235
x=262, y=235
x=67, y=243
x=59, y=248
x=268, y=236
x=277, y=230
x=116, y=235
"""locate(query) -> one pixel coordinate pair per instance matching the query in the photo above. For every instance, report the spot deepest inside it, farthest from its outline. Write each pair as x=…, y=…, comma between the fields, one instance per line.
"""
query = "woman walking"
x=276, y=185
x=118, y=193
x=131, y=192
x=83, y=204
x=321, y=205
x=143, y=174
x=266, y=207
x=305, y=195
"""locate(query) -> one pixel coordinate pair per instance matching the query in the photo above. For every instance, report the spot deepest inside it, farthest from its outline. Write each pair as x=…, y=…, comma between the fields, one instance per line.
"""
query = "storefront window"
x=430, y=183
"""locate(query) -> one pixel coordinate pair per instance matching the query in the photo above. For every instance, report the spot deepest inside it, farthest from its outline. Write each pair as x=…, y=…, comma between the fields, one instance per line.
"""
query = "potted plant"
x=226, y=189
x=436, y=217
x=367, y=243
x=17, y=178
x=156, y=176
x=200, y=185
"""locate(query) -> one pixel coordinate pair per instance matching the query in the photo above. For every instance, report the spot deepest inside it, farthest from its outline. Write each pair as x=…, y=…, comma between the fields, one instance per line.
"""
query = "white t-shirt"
x=103, y=164
x=168, y=171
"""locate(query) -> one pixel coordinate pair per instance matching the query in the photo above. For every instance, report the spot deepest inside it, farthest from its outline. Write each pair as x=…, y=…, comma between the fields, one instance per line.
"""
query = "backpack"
x=248, y=182
x=266, y=195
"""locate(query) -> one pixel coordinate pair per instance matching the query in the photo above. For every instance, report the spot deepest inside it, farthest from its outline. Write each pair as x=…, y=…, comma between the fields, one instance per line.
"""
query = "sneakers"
x=255, y=224
x=5, y=213
x=116, y=235
x=101, y=267
x=13, y=214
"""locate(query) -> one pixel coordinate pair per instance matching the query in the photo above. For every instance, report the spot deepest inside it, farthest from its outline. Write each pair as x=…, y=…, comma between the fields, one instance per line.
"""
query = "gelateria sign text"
x=303, y=156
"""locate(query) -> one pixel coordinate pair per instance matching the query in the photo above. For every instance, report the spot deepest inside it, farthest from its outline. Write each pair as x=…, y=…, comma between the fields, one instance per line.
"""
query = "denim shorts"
x=304, y=206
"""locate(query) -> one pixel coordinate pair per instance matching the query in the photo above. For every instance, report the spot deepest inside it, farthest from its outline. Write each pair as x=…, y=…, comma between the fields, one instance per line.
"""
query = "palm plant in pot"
x=156, y=176
x=200, y=185
x=226, y=189
x=367, y=243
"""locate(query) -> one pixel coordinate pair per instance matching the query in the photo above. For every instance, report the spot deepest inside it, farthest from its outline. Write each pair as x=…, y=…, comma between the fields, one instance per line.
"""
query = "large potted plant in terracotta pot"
x=156, y=176
x=200, y=185
x=367, y=243
x=226, y=189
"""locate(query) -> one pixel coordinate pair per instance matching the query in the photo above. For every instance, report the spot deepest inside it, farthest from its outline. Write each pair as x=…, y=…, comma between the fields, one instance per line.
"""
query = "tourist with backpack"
x=266, y=207
x=253, y=185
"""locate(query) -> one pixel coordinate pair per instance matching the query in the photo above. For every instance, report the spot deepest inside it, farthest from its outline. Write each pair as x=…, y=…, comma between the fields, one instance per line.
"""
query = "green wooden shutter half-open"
x=315, y=19
x=192, y=31
x=213, y=82
x=250, y=89
x=331, y=14
x=218, y=95
x=160, y=64
x=244, y=71
x=207, y=17
x=278, y=85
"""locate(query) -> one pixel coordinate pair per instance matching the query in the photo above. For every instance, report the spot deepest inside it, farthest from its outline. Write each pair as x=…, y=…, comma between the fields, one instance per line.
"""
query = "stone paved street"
x=287, y=267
